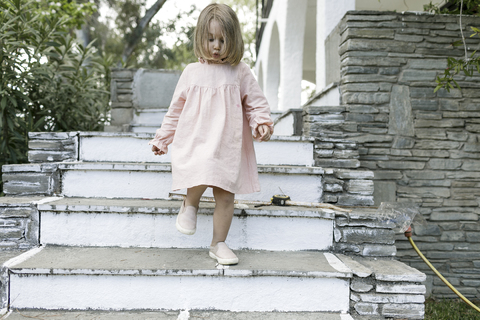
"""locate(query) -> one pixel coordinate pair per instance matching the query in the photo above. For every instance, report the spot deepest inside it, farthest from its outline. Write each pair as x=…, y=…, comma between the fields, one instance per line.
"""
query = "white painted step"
x=174, y=315
x=154, y=181
x=133, y=147
x=151, y=223
x=143, y=128
x=177, y=279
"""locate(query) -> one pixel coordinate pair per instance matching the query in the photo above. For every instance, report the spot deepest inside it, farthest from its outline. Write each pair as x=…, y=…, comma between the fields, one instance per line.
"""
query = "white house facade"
x=295, y=45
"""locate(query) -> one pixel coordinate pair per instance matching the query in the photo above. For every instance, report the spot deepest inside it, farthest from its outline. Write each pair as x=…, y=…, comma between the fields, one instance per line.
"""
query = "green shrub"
x=48, y=82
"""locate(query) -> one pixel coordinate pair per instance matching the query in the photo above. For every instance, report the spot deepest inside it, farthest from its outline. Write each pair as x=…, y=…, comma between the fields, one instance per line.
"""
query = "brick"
x=394, y=298
x=375, y=250
x=406, y=288
x=426, y=174
x=453, y=93
x=40, y=156
x=367, y=235
x=52, y=135
x=358, y=69
x=359, y=117
x=422, y=93
x=471, y=147
x=430, y=133
x=373, y=61
x=473, y=128
x=415, y=75
x=411, y=311
x=387, y=175
x=18, y=212
x=436, y=144
x=447, y=123
x=11, y=233
x=123, y=74
x=363, y=87
x=403, y=142
x=449, y=105
x=471, y=165
x=444, y=164
x=453, y=236
x=471, y=283
x=365, y=98
x=427, y=64
x=453, y=216
x=57, y=145
x=337, y=163
x=429, y=183
x=367, y=78
x=428, y=115
x=366, y=309
x=29, y=183
x=424, y=105
x=401, y=165
x=358, y=285
x=370, y=17
x=408, y=38
x=473, y=236
x=333, y=188
x=364, y=187
x=350, y=200
x=457, y=136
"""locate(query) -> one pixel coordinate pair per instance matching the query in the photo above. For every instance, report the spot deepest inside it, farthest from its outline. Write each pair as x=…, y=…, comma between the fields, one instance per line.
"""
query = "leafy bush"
x=469, y=64
x=48, y=82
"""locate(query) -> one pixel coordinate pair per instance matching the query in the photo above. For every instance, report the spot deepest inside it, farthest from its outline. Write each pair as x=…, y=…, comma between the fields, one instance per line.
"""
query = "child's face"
x=215, y=40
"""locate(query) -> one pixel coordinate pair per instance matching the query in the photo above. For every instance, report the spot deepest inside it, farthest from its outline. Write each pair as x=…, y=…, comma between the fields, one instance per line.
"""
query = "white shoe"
x=223, y=254
x=187, y=219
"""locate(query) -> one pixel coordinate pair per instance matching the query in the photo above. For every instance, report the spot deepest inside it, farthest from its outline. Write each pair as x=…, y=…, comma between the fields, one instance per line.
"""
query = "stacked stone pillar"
x=422, y=146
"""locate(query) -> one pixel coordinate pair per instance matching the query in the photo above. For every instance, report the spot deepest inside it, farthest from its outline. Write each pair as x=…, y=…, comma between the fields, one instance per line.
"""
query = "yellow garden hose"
x=408, y=234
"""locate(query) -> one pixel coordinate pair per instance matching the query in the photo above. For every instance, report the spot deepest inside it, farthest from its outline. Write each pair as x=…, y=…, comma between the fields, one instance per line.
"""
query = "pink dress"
x=210, y=121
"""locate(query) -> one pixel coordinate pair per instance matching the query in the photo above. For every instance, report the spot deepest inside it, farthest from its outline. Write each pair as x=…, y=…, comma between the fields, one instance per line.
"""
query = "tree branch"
x=138, y=31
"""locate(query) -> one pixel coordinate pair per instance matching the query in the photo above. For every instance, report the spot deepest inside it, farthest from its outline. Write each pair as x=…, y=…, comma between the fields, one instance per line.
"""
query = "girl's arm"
x=256, y=106
x=164, y=135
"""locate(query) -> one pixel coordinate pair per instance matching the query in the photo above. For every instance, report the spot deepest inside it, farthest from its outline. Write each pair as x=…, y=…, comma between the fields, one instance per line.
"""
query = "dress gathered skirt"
x=214, y=111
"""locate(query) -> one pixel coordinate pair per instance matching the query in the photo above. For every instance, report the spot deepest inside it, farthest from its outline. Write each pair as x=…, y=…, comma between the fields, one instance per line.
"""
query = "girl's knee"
x=223, y=197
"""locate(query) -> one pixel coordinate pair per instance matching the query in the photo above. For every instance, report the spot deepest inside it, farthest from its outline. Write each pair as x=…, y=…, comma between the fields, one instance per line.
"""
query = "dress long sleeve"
x=256, y=106
x=164, y=135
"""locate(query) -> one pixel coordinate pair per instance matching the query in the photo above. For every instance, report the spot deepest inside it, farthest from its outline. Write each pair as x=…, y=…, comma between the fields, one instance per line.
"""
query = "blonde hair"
x=231, y=32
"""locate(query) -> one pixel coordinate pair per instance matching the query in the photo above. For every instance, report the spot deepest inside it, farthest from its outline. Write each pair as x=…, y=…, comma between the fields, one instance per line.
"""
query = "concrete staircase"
x=102, y=238
x=89, y=231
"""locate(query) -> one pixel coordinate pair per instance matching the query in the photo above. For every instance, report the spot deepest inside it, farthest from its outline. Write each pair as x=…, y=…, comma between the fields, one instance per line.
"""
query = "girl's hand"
x=157, y=151
x=264, y=132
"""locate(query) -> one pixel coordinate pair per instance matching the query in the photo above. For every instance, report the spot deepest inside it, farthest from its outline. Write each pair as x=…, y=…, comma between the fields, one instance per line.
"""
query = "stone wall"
x=423, y=146
x=19, y=223
x=133, y=90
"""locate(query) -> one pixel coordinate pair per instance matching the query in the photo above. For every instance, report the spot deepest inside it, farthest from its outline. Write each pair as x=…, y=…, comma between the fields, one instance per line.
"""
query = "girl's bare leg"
x=223, y=214
x=193, y=195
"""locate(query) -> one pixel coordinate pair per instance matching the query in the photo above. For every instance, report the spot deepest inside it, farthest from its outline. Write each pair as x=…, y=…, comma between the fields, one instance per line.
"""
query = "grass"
x=452, y=309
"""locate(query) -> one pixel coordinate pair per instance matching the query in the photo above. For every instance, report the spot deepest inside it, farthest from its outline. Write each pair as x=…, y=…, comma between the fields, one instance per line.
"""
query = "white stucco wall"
x=282, y=61
x=287, y=17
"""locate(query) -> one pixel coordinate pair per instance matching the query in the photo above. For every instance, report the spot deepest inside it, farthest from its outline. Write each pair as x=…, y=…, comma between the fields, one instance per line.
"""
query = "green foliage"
x=457, y=66
x=114, y=31
x=154, y=51
x=75, y=12
x=470, y=7
x=467, y=65
x=450, y=309
x=48, y=82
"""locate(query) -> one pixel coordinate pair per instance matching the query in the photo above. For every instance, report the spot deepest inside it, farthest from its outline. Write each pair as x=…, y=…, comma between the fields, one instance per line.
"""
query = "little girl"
x=216, y=106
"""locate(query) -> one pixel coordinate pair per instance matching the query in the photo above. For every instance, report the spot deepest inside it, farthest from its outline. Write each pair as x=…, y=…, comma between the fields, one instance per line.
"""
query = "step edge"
x=221, y=272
